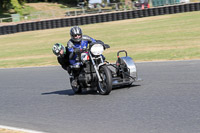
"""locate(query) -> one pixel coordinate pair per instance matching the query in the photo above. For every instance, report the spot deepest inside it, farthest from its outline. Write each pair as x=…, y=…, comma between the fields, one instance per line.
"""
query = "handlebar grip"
x=120, y=52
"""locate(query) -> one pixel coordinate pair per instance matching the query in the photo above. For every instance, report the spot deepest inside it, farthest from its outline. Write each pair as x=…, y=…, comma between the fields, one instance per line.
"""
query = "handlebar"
x=120, y=52
x=78, y=50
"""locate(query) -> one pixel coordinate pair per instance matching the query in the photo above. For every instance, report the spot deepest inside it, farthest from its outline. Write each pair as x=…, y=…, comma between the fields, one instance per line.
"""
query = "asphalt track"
x=166, y=101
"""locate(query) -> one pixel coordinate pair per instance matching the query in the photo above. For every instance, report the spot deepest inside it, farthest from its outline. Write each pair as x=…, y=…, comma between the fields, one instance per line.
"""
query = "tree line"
x=16, y=5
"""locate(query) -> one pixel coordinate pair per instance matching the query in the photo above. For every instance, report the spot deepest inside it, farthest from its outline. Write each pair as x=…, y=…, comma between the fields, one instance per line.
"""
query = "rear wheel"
x=105, y=86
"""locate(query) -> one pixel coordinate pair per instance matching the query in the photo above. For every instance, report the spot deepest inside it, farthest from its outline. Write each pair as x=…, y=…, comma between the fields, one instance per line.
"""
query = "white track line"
x=19, y=129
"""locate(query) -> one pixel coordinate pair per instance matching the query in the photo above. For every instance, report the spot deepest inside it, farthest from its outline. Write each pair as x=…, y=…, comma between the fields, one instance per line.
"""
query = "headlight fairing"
x=97, y=49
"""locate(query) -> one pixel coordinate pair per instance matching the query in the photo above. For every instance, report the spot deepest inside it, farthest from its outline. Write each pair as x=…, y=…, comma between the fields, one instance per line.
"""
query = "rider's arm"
x=89, y=39
x=70, y=47
x=64, y=60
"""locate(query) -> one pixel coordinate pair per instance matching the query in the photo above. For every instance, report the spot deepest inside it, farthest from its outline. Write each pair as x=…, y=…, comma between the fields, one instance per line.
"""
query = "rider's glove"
x=77, y=50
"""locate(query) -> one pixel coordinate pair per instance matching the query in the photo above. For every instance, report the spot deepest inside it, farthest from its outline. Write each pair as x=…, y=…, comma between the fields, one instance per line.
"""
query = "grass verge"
x=167, y=37
x=10, y=131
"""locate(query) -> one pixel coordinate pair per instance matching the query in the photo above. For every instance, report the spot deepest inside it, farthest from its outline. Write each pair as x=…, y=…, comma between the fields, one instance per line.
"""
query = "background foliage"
x=16, y=6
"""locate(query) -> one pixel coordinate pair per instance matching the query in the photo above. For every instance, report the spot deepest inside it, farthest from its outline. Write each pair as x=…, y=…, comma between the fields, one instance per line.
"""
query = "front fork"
x=96, y=68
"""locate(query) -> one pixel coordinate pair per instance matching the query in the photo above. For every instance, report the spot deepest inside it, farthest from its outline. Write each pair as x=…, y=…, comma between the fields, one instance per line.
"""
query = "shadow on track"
x=126, y=86
x=61, y=92
x=70, y=92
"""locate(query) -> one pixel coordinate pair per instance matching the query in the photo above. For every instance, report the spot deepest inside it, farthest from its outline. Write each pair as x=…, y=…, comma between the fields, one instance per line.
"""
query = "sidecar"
x=124, y=71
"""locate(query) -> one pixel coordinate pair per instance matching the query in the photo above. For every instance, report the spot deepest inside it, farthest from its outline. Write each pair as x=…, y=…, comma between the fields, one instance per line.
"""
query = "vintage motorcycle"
x=95, y=73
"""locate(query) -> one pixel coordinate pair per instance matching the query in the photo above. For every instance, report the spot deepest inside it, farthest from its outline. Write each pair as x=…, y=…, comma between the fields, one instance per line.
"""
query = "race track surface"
x=166, y=101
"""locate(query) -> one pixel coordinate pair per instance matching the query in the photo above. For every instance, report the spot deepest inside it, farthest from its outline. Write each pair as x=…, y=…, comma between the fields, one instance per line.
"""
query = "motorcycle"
x=95, y=73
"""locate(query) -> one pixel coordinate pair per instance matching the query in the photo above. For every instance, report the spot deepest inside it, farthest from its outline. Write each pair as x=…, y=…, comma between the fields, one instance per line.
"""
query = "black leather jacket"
x=64, y=61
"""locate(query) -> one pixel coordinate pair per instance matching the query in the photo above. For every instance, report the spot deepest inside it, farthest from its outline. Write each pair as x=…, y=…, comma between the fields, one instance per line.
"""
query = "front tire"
x=105, y=86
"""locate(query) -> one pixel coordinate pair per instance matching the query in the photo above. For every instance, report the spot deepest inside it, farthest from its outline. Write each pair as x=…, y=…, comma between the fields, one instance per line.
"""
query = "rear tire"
x=105, y=86
x=77, y=90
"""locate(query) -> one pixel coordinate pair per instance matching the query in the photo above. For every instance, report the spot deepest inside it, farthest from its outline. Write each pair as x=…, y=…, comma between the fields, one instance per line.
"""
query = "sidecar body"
x=124, y=71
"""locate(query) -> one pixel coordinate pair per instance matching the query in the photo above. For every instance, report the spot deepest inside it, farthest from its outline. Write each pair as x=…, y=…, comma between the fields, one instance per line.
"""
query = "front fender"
x=101, y=64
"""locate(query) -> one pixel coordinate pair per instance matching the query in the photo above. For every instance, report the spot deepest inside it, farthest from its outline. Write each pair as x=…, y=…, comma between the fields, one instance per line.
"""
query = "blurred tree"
x=6, y=5
x=21, y=2
x=1, y=6
x=16, y=6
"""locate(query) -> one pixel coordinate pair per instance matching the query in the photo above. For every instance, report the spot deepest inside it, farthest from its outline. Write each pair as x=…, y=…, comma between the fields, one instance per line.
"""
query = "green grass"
x=167, y=37
x=28, y=10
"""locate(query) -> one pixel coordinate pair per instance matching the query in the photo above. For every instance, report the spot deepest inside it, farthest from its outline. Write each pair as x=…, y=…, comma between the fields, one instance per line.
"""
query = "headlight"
x=97, y=49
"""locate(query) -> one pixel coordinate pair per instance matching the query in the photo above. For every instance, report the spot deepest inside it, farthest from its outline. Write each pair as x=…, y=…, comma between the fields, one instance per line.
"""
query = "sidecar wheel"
x=105, y=86
x=77, y=89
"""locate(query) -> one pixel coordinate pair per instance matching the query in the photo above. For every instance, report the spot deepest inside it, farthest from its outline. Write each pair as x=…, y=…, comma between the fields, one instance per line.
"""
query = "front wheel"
x=105, y=86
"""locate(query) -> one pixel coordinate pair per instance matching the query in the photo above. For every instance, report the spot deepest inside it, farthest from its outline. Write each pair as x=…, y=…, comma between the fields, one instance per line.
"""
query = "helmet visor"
x=77, y=36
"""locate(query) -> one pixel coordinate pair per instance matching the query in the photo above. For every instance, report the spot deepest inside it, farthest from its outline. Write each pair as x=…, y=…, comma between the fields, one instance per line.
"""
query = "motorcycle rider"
x=67, y=55
x=77, y=41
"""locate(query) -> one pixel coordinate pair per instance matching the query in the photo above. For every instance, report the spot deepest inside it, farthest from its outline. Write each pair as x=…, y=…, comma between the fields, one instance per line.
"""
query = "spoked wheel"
x=105, y=86
x=75, y=86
